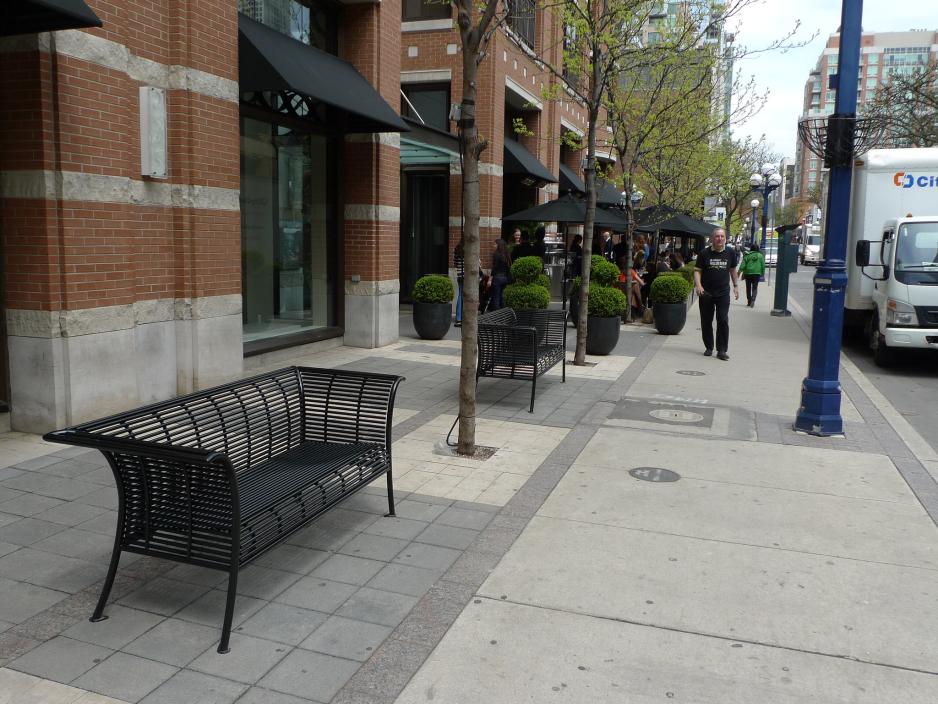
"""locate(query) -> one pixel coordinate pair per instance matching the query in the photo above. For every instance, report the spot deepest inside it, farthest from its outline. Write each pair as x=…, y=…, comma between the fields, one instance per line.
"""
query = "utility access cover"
x=654, y=474
x=690, y=372
x=635, y=410
x=676, y=415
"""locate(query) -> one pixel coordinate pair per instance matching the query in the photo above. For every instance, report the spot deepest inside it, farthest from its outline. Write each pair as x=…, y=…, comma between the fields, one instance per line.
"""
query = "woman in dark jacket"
x=501, y=264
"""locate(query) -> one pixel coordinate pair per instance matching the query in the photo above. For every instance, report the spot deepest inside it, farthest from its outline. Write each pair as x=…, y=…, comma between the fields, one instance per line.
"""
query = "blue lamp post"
x=819, y=413
x=764, y=183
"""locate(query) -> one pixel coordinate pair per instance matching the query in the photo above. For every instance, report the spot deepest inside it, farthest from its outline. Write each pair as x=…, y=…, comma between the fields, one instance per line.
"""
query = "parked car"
x=770, y=252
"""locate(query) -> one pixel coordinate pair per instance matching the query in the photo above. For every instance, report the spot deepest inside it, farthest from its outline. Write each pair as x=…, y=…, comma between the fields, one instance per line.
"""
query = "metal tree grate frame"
x=839, y=138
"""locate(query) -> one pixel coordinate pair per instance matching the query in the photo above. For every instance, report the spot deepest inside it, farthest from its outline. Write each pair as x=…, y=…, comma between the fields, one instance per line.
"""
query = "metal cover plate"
x=663, y=412
x=690, y=372
x=654, y=474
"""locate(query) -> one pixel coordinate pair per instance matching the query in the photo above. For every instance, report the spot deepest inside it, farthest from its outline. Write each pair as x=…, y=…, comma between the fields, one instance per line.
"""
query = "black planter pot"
x=432, y=320
x=670, y=317
x=602, y=334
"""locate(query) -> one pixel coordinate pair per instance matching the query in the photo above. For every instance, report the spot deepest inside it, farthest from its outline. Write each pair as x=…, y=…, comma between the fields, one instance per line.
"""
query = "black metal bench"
x=218, y=477
x=522, y=344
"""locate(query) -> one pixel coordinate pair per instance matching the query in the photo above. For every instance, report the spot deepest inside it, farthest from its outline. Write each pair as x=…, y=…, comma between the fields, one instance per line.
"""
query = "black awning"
x=271, y=61
x=607, y=193
x=570, y=182
x=520, y=162
x=31, y=16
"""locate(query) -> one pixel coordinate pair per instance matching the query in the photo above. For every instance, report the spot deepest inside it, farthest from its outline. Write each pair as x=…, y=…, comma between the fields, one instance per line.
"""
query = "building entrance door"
x=424, y=227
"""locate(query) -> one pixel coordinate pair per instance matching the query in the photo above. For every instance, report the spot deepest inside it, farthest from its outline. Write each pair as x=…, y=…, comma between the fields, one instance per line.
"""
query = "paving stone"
x=68, y=489
x=283, y=623
x=319, y=538
x=367, y=503
x=404, y=579
x=188, y=687
x=317, y=594
x=66, y=574
x=46, y=624
x=105, y=524
x=74, y=542
x=27, y=531
x=38, y=462
x=14, y=644
x=175, y=642
x=125, y=677
x=70, y=513
x=20, y=600
x=377, y=606
x=392, y=667
x=70, y=452
x=348, y=569
x=306, y=673
x=256, y=695
x=293, y=558
x=264, y=582
x=430, y=557
x=29, y=504
x=7, y=548
x=397, y=527
x=164, y=596
x=436, y=611
x=103, y=476
x=249, y=659
x=347, y=638
x=209, y=609
x=464, y=518
x=122, y=626
x=418, y=510
x=344, y=519
x=447, y=536
x=105, y=497
x=30, y=481
x=375, y=547
x=197, y=575
x=61, y=659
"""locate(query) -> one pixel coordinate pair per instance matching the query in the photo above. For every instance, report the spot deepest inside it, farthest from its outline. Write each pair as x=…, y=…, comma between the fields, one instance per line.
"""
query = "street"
x=911, y=386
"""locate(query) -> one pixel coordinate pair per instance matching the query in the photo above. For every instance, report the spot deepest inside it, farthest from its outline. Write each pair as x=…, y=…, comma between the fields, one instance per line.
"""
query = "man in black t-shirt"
x=716, y=266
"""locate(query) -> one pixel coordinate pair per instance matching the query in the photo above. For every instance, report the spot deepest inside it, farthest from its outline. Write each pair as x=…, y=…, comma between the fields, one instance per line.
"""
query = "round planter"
x=602, y=334
x=432, y=320
x=670, y=317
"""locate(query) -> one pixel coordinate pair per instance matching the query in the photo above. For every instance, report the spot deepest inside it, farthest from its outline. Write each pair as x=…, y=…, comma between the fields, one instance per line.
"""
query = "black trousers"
x=721, y=306
x=752, y=287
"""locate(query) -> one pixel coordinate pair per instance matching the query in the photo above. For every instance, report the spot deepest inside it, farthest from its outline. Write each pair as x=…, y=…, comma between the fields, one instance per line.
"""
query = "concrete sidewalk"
x=778, y=567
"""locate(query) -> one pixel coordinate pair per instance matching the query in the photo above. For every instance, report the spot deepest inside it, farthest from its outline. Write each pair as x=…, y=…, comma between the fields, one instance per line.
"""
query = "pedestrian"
x=540, y=247
x=576, y=257
x=752, y=268
x=515, y=241
x=608, y=249
x=501, y=264
x=459, y=263
x=716, y=266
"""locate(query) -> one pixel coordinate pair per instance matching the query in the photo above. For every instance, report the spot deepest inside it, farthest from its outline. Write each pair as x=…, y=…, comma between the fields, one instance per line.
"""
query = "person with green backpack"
x=752, y=268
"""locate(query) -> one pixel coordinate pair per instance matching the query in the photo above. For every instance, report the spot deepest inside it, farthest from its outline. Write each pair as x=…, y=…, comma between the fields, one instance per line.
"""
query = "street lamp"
x=752, y=226
x=764, y=183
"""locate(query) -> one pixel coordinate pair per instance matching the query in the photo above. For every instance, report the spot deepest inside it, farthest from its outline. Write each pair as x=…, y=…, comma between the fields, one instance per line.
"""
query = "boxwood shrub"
x=433, y=288
x=670, y=287
x=602, y=272
x=544, y=280
x=525, y=270
x=526, y=296
x=605, y=301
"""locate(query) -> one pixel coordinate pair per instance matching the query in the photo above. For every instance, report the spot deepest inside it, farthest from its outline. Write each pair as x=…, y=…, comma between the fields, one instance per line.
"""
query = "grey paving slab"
x=403, y=528
x=187, y=686
x=48, y=570
x=197, y=575
x=321, y=538
x=38, y=462
x=465, y=518
x=607, y=662
x=70, y=513
x=106, y=523
x=317, y=594
x=377, y=606
x=256, y=695
x=250, y=659
x=348, y=569
x=164, y=596
x=174, y=641
x=125, y=677
x=122, y=626
x=306, y=673
x=404, y=579
x=21, y=600
x=30, y=481
x=29, y=504
x=283, y=623
x=430, y=557
x=46, y=624
x=60, y=659
x=68, y=489
x=293, y=558
x=74, y=542
x=264, y=582
x=347, y=638
x=105, y=497
x=447, y=536
x=7, y=548
x=27, y=531
x=374, y=547
x=209, y=609
x=418, y=510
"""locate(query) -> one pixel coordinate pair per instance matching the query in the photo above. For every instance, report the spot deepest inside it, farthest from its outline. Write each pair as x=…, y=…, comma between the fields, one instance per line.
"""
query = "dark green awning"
x=520, y=162
x=271, y=61
x=31, y=16
x=570, y=182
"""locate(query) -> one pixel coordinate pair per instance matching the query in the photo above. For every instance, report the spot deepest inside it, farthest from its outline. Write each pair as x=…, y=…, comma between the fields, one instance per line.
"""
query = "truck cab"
x=903, y=266
x=811, y=247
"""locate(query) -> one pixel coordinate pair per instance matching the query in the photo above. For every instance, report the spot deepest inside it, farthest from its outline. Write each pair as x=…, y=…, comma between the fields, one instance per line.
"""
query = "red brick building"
x=179, y=201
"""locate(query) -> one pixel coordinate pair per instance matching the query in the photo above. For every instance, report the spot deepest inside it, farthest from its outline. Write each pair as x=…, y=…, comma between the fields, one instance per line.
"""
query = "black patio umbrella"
x=681, y=224
x=568, y=209
x=654, y=214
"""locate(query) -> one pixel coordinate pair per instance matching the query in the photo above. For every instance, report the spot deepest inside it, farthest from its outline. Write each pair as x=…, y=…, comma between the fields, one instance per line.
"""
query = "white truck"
x=811, y=245
x=892, y=251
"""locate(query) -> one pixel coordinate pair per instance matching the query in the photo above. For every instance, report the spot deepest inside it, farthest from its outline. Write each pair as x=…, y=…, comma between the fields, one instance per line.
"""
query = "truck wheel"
x=883, y=356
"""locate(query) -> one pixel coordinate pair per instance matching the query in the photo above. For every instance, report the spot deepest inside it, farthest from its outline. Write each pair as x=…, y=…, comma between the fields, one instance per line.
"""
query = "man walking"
x=716, y=265
x=607, y=247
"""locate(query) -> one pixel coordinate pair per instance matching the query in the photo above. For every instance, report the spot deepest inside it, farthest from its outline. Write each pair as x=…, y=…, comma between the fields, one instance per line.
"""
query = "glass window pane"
x=426, y=10
x=431, y=103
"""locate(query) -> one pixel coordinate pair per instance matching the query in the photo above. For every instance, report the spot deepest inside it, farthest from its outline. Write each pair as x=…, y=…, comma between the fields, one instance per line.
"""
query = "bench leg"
x=98, y=614
x=390, y=497
x=533, y=387
x=563, y=374
x=229, y=611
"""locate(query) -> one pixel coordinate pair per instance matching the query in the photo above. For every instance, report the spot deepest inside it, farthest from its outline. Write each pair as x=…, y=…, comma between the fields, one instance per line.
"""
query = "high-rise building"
x=882, y=55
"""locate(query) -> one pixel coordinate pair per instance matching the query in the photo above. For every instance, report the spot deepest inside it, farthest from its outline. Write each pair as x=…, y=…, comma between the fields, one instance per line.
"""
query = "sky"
x=784, y=74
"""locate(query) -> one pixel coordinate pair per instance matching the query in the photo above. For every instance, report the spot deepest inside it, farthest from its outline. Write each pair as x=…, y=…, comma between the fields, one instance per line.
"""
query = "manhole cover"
x=674, y=415
x=654, y=474
x=691, y=372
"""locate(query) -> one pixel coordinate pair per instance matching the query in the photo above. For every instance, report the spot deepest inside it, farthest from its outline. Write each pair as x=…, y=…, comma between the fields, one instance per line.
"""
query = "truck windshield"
x=814, y=240
x=917, y=253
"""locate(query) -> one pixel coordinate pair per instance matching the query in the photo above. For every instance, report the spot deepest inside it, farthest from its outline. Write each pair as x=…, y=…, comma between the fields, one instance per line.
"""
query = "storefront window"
x=430, y=101
x=311, y=22
x=287, y=230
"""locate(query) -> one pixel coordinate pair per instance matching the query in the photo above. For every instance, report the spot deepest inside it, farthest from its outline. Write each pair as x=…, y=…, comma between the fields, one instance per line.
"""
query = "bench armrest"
x=141, y=448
